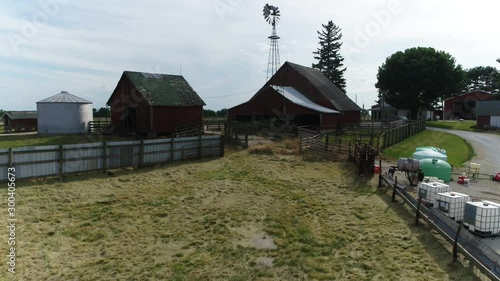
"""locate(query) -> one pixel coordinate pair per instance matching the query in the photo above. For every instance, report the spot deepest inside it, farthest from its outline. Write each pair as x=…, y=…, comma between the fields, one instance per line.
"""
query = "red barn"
x=463, y=106
x=302, y=95
x=19, y=121
x=153, y=103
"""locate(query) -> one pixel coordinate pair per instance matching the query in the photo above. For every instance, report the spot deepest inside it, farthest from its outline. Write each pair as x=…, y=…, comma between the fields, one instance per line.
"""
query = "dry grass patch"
x=219, y=220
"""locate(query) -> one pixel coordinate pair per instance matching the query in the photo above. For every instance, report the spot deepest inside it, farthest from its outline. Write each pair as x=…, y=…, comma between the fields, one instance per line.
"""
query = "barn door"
x=495, y=121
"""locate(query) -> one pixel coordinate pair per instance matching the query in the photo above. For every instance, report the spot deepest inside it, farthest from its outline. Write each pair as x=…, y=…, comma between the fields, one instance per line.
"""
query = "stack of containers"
x=428, y=191
x=482, y=217
x=452, y=204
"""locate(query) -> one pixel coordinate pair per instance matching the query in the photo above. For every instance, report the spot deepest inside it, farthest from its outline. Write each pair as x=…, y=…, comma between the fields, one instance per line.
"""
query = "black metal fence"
x=399, y=134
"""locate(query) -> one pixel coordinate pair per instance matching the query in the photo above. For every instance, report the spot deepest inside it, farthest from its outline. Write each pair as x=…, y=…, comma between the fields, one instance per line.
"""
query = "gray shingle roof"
x=18, y=115
x=64, y=97
x=488, y=108
x=326, y=87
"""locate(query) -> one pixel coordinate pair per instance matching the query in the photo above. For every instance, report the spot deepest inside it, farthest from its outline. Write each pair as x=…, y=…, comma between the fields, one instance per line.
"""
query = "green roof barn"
x=154, y=103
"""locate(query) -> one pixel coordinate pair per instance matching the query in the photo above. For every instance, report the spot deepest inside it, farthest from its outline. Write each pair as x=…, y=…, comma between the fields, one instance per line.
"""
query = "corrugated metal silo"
x=63, y=114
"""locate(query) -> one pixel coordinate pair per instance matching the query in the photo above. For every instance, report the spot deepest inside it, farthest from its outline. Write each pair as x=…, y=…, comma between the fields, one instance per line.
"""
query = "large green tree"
x=330, y=62
x=486, y=78
x=418, y=78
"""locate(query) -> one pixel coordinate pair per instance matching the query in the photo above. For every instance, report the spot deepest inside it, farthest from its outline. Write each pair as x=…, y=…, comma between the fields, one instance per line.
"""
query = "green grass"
x=458, y=150
x=205, y=220
x=35, y=140
x=453, y=125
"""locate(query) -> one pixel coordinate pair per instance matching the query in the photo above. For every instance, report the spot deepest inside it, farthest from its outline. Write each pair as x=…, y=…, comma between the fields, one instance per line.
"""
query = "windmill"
x=272, y=16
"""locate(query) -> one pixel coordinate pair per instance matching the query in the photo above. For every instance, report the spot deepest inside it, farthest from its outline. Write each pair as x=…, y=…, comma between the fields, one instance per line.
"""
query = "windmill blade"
x=266, y=11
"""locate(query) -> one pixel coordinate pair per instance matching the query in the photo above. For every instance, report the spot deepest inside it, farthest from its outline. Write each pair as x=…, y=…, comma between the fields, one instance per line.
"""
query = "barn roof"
x=476, y=93
x=164, y=89
x=64, y=97
x=326, y=87
x=488, y=108
x=18, y=115
x=298, y=98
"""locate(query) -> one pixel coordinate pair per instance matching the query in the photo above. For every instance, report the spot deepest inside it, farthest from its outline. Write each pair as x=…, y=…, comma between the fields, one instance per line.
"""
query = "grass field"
x=453, y=125
x=457, y=149
x=252, y=215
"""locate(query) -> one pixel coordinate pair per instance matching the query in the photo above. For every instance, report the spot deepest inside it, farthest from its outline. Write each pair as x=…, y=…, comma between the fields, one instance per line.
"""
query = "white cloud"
x=86, y=45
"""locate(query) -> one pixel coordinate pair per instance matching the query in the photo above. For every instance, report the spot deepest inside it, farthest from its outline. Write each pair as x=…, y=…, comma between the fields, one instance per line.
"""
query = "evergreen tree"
x=330, y=62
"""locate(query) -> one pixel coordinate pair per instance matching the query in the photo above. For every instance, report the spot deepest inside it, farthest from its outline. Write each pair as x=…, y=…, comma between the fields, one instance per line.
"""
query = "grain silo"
x=63, y=114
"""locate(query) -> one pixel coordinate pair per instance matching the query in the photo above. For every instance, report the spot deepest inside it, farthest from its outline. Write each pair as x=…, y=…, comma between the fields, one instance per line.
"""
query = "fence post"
x=172, y=149
x=327, y=141
x=141, y=155
x=380, y=173
x=11, y=157
x=417, y=216
x=200, y=141
x=104, y=156
x=455, y=244
x=394, y=189
x=61, y=160
x=246, y=136
x=221, y=146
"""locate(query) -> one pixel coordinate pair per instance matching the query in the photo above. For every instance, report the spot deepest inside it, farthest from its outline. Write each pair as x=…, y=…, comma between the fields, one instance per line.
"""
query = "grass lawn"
x=457, y=149
x=35, y=140
x=242, y=217
x=453, y=125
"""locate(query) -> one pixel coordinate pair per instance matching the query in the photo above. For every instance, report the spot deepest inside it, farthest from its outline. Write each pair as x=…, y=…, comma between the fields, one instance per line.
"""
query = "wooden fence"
x=57, y=160
x=99, y=127
x=396, y=135
x=363, y=155
x=326, y=146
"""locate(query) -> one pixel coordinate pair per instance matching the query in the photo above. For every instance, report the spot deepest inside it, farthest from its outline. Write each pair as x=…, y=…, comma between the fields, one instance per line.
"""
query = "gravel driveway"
x=486, y=147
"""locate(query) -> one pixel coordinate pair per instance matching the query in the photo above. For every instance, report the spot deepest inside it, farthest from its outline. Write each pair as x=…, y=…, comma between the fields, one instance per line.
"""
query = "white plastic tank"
x=428, y=191
x=482, y=217
x=63, y=114
x=452, y=204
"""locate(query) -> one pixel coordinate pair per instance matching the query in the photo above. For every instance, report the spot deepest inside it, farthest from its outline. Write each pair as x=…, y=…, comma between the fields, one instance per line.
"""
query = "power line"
x=230, y=95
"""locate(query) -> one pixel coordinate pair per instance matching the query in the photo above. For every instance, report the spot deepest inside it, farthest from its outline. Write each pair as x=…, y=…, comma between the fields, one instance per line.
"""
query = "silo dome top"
x=64, y=97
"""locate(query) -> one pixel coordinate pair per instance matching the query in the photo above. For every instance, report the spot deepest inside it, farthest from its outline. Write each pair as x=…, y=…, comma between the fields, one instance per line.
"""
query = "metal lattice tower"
x=272, y=16
x=274, y=55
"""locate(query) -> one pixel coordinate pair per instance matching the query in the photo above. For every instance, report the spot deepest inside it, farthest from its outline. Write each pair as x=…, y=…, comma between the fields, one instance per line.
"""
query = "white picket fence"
x=55, y=160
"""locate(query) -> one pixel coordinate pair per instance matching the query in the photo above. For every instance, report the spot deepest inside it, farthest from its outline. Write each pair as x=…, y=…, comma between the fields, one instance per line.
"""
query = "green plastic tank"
x=423, y=148
x=436, y=168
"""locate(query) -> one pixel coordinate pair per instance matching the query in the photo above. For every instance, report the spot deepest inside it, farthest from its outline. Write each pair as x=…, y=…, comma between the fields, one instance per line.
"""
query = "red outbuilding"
x=15, y=121
x=463, y=106
x=301, y=95
x=154, y=103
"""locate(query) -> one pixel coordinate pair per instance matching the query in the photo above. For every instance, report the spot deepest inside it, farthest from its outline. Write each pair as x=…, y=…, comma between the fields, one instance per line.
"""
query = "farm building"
x=19, y=121
x=154, y=103
x=63, y=114
x=488, y=114
x=463, y=106
x=301, y=95
x=378, y=112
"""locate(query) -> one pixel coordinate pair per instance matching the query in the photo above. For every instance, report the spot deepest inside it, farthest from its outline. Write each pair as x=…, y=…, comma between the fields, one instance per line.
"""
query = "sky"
x=221, y=47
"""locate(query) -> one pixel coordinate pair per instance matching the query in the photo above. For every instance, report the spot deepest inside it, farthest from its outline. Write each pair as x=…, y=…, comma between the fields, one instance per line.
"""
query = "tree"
x=102, y=112
x=330, y=62
x=418, y=78
x=484, y=78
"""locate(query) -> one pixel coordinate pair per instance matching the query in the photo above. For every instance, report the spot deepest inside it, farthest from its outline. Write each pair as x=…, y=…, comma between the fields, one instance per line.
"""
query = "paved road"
x=486, y=146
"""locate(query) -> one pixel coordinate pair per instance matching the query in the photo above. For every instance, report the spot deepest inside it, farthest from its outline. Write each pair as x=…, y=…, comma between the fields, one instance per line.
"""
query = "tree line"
x=414, y=79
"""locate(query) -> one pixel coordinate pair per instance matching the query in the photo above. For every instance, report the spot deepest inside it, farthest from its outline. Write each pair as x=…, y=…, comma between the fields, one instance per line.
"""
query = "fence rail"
x=471, y=247
x=57, y=160
x=396, y=135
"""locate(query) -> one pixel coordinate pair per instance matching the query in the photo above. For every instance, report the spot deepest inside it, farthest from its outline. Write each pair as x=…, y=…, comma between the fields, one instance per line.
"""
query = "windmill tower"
x=272, y=16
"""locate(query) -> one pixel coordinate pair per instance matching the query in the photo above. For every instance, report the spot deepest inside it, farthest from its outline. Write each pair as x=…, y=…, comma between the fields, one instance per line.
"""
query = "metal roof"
x=18, y=115
x=326, y=87
x=488, y=108
x=64, y=97
x=298, y=98
x=163, y=89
